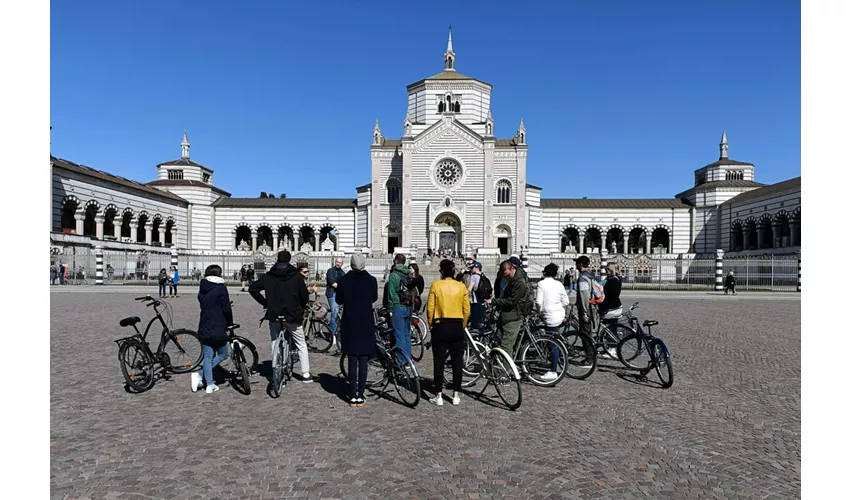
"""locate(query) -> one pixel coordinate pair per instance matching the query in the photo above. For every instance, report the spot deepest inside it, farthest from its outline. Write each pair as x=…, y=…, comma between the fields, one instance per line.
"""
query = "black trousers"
x=448, y=336
x=172, y=289
x=357, y=369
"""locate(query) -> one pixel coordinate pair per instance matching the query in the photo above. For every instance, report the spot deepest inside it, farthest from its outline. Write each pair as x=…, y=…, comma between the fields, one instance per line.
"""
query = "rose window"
x=447, y=173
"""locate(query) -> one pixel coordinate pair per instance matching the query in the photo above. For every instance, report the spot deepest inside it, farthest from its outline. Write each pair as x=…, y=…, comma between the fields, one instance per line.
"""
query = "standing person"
x=611, y=308
x=552, y=302
x=357, y=290
x=243, y=276
x=216, y=316
x=174, y=279
x=251, y=275
x=584, y=294
x=332, y=278
x=510, y=291
x=304, y=271
x=420, y=287
x=285, y=295
x=568, y=280
x=729, y=284
x=400, y=311
x=448, y=312
x=476, y=305
x=162, y=279
x=61, y=273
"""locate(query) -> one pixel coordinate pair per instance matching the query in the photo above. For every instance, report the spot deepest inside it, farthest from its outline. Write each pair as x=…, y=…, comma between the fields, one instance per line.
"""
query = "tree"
x=263, y=194
x=271, y=195
x=282, y=196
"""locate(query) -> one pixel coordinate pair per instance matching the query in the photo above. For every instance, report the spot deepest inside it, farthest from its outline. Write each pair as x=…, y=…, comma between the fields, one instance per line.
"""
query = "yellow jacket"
x=448, y=298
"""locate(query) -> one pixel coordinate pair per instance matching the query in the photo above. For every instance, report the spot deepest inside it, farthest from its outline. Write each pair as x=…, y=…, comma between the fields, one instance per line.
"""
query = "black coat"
x=286, y=293
x=613, y=287
x=216, y=313
x=356, y=292
x=730, y=281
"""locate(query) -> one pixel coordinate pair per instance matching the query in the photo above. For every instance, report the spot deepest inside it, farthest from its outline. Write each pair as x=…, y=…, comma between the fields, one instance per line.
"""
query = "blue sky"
x=621, y=99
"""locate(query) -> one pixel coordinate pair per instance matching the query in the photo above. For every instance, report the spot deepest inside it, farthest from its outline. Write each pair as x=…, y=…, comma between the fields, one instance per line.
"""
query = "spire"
x=520, y=133
x=376, y=134
x=449, y=56
x=724, y=147
x=488, y=124
x=184, y=146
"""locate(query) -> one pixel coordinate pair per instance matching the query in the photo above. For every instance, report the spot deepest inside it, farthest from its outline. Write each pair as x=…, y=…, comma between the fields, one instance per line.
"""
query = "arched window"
x=440, y=107
x=734, y=175
x=393, y=190
x=457, y=106
x=503, y=191
x=175, y=175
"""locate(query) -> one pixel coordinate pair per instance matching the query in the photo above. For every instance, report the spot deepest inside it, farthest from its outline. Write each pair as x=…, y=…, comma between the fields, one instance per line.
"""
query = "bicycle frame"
x=144, y=336
x=482, y=352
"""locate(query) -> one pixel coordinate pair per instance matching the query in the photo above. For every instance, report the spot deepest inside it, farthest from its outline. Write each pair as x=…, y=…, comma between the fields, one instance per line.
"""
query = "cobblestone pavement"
x=728, y=428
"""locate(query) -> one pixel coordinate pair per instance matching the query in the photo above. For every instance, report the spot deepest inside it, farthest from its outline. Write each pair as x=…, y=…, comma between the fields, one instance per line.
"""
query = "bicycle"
x=583, y=350
x=384, y=365
x=240, y=375
x=496, y=366
x=317, y=333
x=139, y=363
x=640, y=342
x=284, y=356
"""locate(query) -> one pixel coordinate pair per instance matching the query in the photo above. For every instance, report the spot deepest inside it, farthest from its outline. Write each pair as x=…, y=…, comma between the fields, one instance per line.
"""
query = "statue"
x=264, y=248
x=306, y=248
x=244, y=246
x=327, y=245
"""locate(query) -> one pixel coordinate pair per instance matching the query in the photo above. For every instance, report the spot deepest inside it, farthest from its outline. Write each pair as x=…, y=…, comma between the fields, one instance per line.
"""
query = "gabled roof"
x=506, y=143
x=583, y=203
x=187, y=182
x=364, y=187
x=448, y=75
x=769, y=190
x=115, y=179
x=708, y=186
x=285, y=203
x=532, y=186
x=182, y=162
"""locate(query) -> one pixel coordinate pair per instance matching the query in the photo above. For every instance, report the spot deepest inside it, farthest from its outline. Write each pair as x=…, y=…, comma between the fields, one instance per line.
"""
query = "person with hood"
x=729, y=284
x=552, y=302
x=163, y=280
x=584, y=293
x=509, y=295
x=356, y=291
x=216, y=316
x=285, y=295
x=174, y=280
x=400, y=312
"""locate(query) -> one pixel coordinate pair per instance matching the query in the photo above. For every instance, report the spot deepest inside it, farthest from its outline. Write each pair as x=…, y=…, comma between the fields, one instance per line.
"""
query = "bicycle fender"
x=663, y=346
x=178, y=331
x=511, y=359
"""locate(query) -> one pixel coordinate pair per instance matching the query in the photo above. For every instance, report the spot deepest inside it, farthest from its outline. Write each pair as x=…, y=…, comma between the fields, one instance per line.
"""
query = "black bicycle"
x=179, y=350
x=240, y=376
x=284, y=356
x=636, y=347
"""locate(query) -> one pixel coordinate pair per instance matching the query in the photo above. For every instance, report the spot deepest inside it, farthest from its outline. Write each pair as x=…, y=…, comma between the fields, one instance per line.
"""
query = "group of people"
x=246, y=276
x=169, y=278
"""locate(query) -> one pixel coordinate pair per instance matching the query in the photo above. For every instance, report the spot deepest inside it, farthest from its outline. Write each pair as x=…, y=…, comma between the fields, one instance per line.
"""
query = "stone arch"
x=242, y=236
x=592, y=238
x=306, y=235
x=328, y=231
x=142, y=226
x=503, y=187
x=127, y=216
x=795, y=227
x=110, y=213
x=750, y=231
x=90, y=211
x=265, y=235
x=736, y=236
x=392, y=188
x=661, y=238
x=570, y=237
x=156, y=228
x=765, y=226
x=615, y=238
x=638, y=237
x=286, y=236
x=782, y=229
x=69, y=207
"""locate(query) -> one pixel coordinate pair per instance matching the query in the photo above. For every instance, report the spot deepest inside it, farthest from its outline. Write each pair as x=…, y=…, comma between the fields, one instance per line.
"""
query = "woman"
x=356, y=292
x=552, y=301
x=216, y=316
x=610, y=309
x=174, y=279
x=448, y=312
x=163, y=279
x=420, y=287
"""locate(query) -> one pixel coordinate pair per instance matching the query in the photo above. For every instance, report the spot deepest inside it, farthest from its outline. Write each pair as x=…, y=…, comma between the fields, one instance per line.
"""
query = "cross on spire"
x=449, y=56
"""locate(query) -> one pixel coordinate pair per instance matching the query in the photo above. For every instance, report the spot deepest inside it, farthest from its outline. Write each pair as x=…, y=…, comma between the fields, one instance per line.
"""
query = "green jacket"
x=391, y=288
x=515, y=294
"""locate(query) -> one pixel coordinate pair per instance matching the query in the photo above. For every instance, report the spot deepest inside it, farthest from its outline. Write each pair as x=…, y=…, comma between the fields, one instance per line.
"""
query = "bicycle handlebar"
x=146, y=297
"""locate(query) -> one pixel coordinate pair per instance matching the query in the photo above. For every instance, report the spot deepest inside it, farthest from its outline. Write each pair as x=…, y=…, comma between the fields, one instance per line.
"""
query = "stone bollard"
x=524, y=259
x=603, y=265
x=718, y=271
x=98, y=262
x=413, y=250
x=174, y=256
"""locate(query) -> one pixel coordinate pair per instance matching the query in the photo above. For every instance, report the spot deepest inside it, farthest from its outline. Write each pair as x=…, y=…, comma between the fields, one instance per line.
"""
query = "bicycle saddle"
x=233, y=327
x=650, y=322
x=132, y=320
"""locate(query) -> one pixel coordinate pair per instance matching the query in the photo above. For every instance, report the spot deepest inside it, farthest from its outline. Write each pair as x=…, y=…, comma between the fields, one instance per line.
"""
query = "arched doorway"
x=306, y=235
x=615, y=240
x=750, y=235
x=126, y=222
x=89, y=224
x=783, y=235
x=592, y=239
x=328, y=233
x=156, y=229
x=286, y=238
x=243, y=238
x=570, y=239
x=736, y=242
x=447, y=233
x=660, y=240
x=141, y=227
x=503, y=239
x=109, y=223
x=69, y=222
x=169, y=231
x=265, y=237
x=766, y=228
x=393, y=237
x=637, y=240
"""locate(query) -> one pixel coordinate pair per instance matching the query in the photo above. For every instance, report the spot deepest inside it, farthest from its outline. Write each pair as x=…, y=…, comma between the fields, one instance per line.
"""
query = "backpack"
x=597, y=293
x=485, y=289
x=406, y=289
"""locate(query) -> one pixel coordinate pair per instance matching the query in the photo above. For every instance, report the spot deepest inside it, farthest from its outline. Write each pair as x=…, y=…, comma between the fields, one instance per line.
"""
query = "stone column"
x=580, y=243
x=134, y=223
x=760, y=236
x=253, y=240
x=98, y=262
x=604, y=242
x=276, y=242
x=649, y=245
x=148, y=232
x=79, y=219
x=795, y=231
x=718, y=271
x=99, y=219
x=746, y=231
x=116, y=228
x=777, y=235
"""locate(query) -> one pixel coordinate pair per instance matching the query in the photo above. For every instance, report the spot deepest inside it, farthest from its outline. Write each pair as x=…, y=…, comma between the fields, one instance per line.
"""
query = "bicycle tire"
x=423, y=327
x=183, y=361
x=417, y=342
x=581, y=355
x=255, y=357
x=375, y=368
x=141, y=360
x=278, y=378
x=543, y=346
x=319, y=337
x=405, y=377
x=502, y=378
x=633, y=352
x=241, y=366
x=661, y=356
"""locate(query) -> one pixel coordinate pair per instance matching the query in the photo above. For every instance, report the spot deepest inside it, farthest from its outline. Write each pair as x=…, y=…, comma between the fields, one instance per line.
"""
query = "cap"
x=477, y=265
x=583, y=260
x=514, y=256
x=515, y=261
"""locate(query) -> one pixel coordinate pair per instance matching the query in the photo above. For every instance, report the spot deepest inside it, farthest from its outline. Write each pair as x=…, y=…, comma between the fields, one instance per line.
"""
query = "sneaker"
x=437, y=400
x=612, y=351
x=212, y=388
x=196, y=381
x=456, y=400
x=549, y=376
x=306, y=378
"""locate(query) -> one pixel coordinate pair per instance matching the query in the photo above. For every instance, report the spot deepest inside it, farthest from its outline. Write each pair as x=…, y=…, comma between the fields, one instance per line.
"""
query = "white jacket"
x=552, y=301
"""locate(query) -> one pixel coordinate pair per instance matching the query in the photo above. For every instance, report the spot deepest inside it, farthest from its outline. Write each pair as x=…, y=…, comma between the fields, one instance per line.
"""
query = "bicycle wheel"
x=417, y=343
x=633, y=352
x=581, y=355
x=278, y=367
x=184, y=350
x=535, y=360
x=253, y=358
x=319, y=337
x=663, y=365
x=137, y=366
x=611, y=336
x=376, y=373
x=243, y=384
x=405, y=377
x=423, y=327
x=501, y=376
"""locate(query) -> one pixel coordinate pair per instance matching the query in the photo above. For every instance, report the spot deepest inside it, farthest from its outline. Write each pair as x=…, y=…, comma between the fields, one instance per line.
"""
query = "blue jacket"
x=216, y=313
x=332, y=276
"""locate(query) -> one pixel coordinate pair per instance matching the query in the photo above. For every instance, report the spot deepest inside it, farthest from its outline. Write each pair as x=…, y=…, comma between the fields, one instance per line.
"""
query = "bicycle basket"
x=318, y=309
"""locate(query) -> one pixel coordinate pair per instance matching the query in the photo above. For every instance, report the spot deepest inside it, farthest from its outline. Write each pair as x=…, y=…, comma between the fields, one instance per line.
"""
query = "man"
x=251, y=275
x=464, y=275
x=476, y=319
x=584, y=294
x=285, y=295
x=510, y=291
x=243, y=276
x=514, y=260
x=304, y=270
x=569, y=280
x=332, y=278
x=400, y=312
x=729, y=284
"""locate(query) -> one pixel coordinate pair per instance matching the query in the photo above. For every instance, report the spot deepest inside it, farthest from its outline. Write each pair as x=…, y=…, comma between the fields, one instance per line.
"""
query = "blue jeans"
x=211, y=362
x=334, y=311
x=476, y=316
x=555, y=356
x=401, y=326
